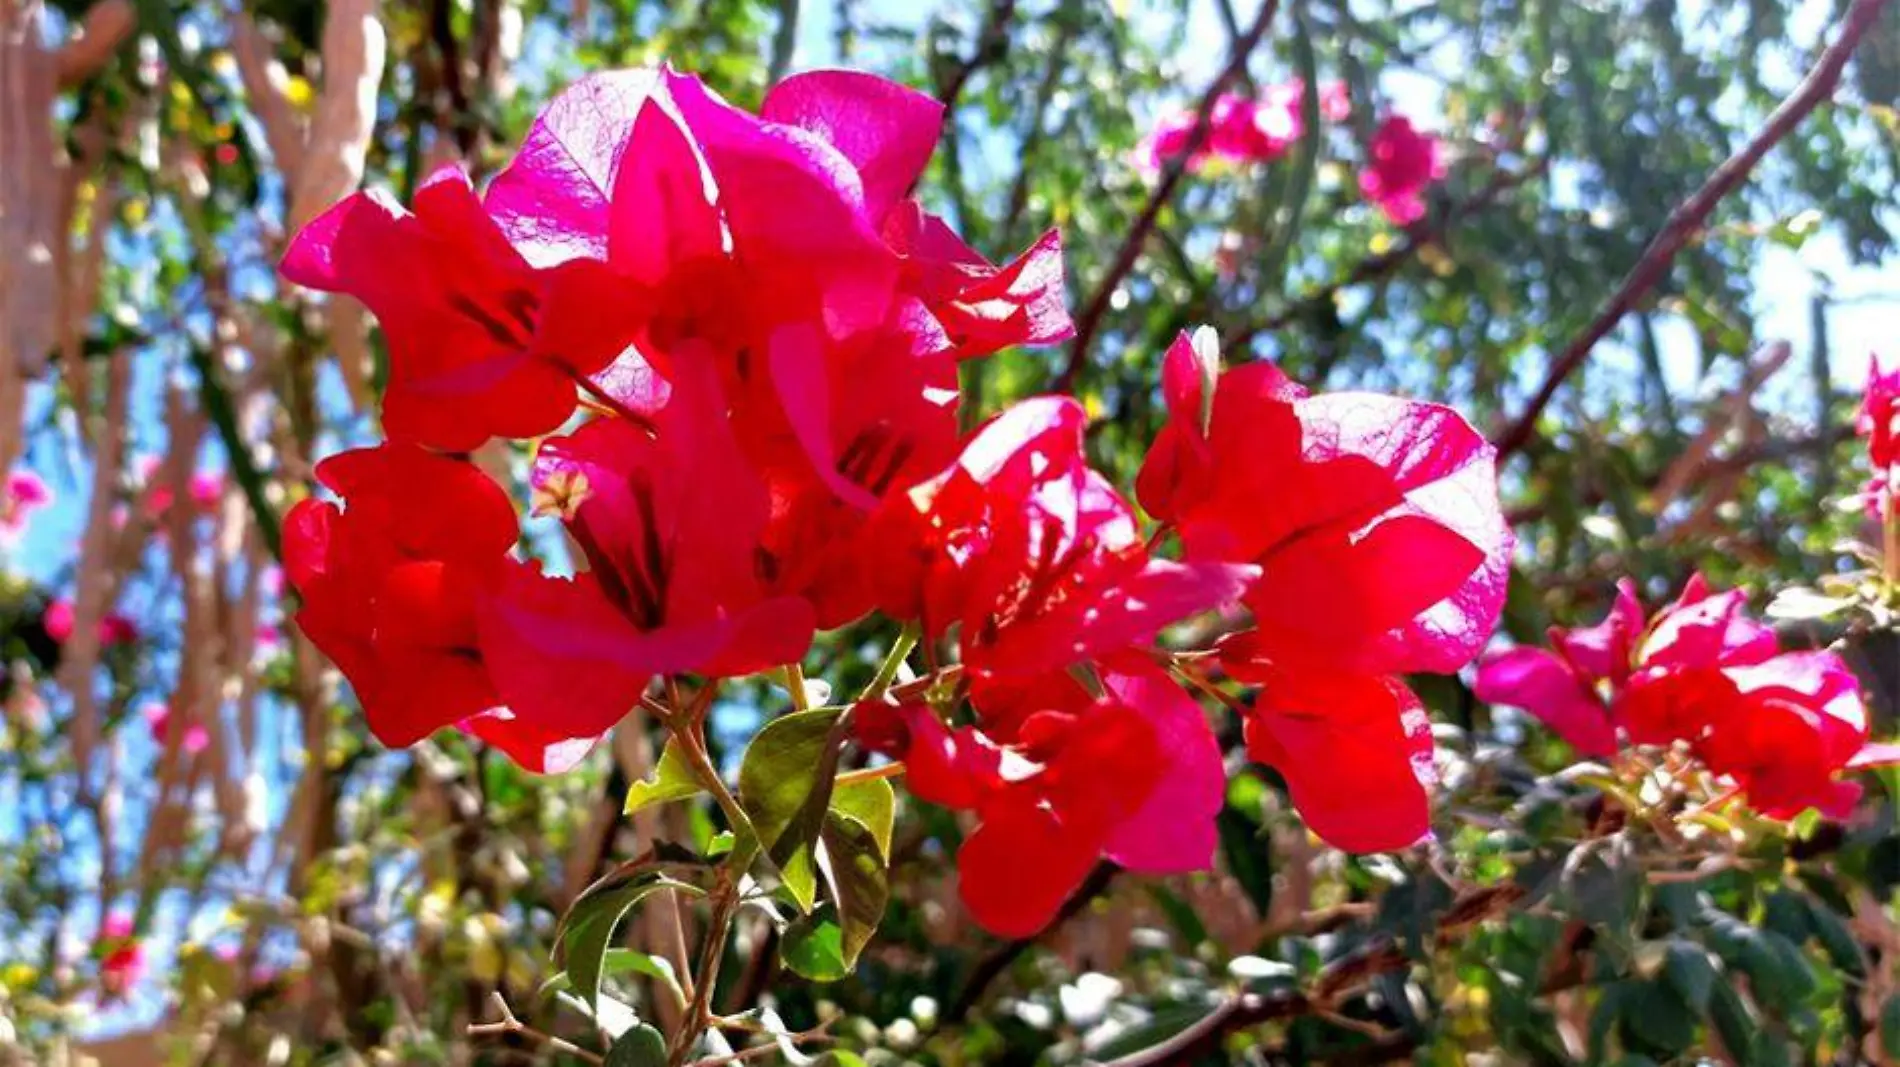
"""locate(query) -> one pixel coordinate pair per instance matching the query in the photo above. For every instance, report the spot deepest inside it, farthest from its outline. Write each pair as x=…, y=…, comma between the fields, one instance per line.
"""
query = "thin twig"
x=1689, y=217
x=508, y=1024
x=1386, y=263
x=992, y=42
x=784, y=41
x=1090, y=321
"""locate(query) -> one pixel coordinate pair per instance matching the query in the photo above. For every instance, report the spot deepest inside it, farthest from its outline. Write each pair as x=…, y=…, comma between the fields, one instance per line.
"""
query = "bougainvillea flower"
x=25, y=494
x=1879, y=408
x=737, y=224
x=1784, y=729
x=1134, y=776
x=1375, y=524
x=121, y=956
x=481, y=344
x=1402, y=162
x=1876, y=421
x=1678, y=660
x=1569, y=685
x=1374, y=519
x=158, y=717
x=670, y=523
x=205, y=489
x=1551, y=687
x=389, y=582
x=1031, y=555
x=1244, y=129
x=114, y=629
x=860, y=426
x=1648, y=677
x=1355, y=750
x=888, y=131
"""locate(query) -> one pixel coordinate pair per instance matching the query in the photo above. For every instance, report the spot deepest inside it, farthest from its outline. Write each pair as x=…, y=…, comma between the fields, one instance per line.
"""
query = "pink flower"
x=121, y=956
x=674, y=581
x=25, y=494
x=25, y=489
x=1402, y=163
x=389, y=582
x=1242, y=129
x=481, y=343
x=58, y=620
x=158, y=719
x=1375, y=524
x=114, y=629
x=1879, y=410
x=1059, y=779
x=206, y=490
x=1783, y=727
x=1031, y=556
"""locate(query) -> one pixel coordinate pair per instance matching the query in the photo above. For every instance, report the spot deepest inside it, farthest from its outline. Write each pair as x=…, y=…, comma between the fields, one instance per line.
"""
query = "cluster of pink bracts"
x=761, y=330
x=766, y=331
x=1879, y=422
x=1782, y=726
x=1401, y=160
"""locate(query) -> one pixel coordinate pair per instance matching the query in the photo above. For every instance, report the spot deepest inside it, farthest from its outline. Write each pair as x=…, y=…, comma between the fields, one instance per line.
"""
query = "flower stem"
x=795, y=683
x=870, y=774
x=712, y=952
x=893, y=662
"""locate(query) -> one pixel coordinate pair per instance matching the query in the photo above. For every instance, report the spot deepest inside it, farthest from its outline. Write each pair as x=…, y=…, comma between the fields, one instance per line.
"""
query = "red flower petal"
x=1544, y=684
x=1356, y=753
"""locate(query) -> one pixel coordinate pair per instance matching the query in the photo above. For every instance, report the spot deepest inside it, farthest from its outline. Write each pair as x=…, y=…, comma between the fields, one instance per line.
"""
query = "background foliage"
x=302, y=896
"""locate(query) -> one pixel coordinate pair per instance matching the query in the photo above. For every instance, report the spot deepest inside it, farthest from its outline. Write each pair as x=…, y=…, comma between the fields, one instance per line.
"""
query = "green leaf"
x=872, y=803
x=813, y=946
x=1180, y=915
x=1841, y=945
x=642, y=1046
x=1890, y=1026
x=1689, y=971
x=1730, y=1016
x=1779, y=975
x=1247, y=856
x=628, y=961
x=1609, y=1011
x=672, y=779
x=587, y=929
x=785, y=786
x=1656, y=1020
x=838, y=1058
x=857, y=871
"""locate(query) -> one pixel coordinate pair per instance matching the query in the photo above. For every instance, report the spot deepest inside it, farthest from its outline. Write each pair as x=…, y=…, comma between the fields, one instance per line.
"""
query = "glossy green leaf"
x=1732, y=1021
x=859, y=880
x=586, y=931
x=1657, y=1020
x=813, y=946
x=642, y=1046
x=1689, y=971
x=785, y=786
x=873, y=803
x=672, y=779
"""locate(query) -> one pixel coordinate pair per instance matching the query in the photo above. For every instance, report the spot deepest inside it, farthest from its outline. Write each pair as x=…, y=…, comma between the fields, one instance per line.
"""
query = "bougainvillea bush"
x=703, y=579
